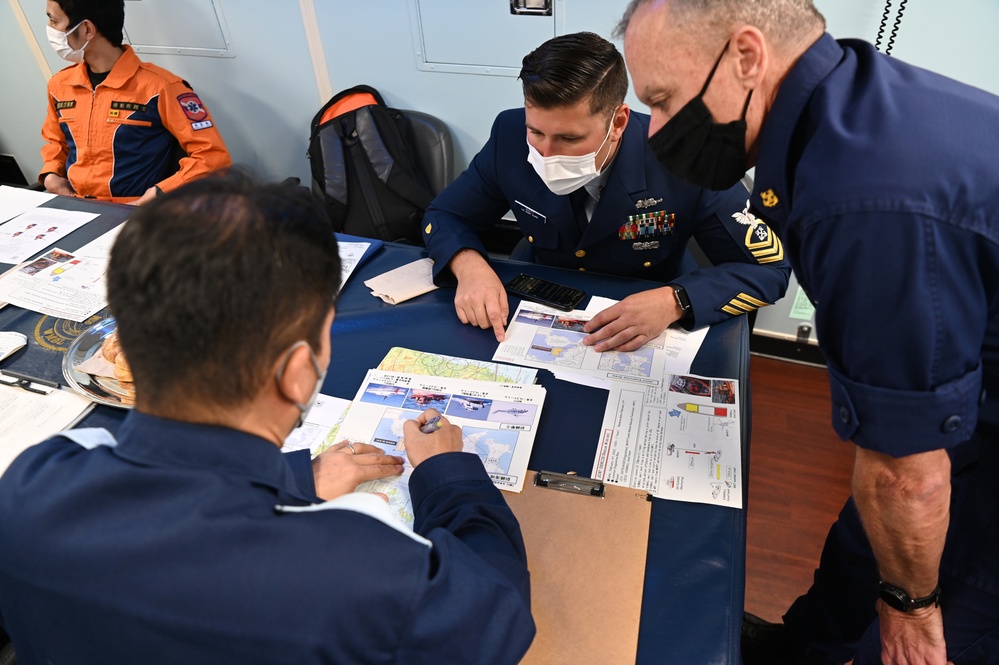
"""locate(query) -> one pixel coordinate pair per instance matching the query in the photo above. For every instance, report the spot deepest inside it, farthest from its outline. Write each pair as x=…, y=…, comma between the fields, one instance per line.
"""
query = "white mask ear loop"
x=610, y=129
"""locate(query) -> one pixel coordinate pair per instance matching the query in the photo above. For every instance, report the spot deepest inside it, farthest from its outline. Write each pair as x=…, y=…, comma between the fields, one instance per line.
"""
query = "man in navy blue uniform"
x=890, y=212
x=574, y=168
x=189, y=537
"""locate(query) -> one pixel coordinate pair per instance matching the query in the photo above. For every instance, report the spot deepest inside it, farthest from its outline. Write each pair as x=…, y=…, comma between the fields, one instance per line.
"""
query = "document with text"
x=16, y=200
x=29, y=233
x=540, y=337
x=498, y=423
x=63, y=284
x=681, y=441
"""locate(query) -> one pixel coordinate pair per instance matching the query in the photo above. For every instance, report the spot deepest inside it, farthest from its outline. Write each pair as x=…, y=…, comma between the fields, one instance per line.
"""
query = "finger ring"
x=351, y=446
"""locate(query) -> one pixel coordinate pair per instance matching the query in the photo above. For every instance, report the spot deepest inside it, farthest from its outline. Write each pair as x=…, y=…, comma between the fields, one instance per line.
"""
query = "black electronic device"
x=10, y=172
x=545, y=292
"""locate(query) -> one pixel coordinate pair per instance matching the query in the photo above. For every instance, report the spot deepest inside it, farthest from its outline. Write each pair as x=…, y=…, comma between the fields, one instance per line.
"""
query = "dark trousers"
x=836, y=619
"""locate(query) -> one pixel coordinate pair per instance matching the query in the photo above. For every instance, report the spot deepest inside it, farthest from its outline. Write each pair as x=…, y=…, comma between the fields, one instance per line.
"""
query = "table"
x=695, y=572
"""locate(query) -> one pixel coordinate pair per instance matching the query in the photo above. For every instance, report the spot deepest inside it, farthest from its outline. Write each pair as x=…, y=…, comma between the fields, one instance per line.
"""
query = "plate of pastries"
x=95, y=366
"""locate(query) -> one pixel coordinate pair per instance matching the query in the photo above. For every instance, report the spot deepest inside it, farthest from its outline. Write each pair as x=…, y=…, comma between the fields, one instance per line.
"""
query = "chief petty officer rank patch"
x=761, y=242
x=648, y=225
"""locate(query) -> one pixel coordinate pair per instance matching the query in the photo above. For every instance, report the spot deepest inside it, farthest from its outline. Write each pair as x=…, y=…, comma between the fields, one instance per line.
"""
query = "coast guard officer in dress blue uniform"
x=574, y=168
x=881, y=179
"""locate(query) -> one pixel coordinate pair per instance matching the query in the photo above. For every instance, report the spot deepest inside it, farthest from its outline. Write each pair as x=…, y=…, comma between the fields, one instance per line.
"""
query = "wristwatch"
x=898, y=599
x=682, y=300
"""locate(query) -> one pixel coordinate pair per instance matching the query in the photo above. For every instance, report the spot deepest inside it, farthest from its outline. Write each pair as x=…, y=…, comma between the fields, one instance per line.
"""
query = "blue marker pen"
x=431, y=425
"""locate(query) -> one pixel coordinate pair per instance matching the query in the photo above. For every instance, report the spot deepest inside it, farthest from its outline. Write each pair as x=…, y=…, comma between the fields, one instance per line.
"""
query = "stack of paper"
x=497, y=407
x=63, y=284
x=498, y=423
x=30, y=416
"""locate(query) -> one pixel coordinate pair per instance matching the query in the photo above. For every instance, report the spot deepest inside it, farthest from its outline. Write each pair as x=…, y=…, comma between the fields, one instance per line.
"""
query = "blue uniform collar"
x=773, y=186
x=630, y=170
x=160, y=442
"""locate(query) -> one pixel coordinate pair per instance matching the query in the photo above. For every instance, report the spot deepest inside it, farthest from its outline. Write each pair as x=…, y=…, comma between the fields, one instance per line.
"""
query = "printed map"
x=409, y=361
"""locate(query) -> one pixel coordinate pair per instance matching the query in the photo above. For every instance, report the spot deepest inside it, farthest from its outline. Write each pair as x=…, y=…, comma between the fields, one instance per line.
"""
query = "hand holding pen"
x=430, y=434
x=432, y=425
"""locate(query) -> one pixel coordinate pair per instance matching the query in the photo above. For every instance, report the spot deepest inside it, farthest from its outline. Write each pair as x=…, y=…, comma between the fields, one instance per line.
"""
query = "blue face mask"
x=695, y=148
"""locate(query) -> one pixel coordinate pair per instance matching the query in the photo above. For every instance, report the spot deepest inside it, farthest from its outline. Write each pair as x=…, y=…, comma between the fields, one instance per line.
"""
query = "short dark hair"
x=210, y=283
x=108, y=16
x=565, y=70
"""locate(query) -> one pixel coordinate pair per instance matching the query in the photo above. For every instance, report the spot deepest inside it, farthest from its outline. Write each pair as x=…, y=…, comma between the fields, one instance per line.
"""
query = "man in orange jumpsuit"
x=118, y=128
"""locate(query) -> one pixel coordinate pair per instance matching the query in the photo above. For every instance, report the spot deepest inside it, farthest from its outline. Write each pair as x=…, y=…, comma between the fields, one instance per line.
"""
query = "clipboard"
x=32, y=410
x=586, y=550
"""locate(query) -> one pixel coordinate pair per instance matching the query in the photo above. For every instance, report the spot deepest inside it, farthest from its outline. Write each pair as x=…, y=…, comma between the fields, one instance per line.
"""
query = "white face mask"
x=320, y=379
x=565, y=174
x=60, y=43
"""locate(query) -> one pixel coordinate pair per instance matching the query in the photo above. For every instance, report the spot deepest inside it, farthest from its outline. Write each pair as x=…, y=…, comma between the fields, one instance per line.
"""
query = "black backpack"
x=365, y=167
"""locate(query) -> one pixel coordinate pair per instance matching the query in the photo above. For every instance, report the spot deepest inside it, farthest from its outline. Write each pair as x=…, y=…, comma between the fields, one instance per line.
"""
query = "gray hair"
x=784, y=22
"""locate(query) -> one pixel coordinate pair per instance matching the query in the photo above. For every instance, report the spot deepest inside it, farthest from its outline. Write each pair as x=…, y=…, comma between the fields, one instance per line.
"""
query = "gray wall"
x=264, y=96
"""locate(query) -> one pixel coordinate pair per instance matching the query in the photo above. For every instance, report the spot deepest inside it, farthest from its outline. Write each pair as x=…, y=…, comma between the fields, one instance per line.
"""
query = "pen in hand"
x=431, y=425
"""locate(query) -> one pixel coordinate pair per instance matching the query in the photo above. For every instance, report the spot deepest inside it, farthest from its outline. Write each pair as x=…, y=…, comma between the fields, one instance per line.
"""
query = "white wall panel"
x=265, y=95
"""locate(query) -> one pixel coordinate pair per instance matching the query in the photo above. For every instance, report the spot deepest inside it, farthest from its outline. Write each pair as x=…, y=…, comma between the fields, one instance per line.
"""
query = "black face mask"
x=692, y=146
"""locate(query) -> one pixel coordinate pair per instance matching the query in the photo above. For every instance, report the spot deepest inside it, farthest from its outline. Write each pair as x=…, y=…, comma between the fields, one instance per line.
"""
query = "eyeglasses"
x=29, y=383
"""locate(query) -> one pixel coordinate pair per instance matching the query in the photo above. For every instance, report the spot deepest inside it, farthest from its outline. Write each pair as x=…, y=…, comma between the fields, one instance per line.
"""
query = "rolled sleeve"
x=904, y=422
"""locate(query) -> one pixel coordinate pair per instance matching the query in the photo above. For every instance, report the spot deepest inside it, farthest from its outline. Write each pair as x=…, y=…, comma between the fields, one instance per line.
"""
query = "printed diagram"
x=722, y=391
x=564, y=349
x=568, y=323
x=425, y=399
x=533, y=318
x=469, y=407
x=515, y=413
x=497, y=420
x=382, y=394
x=495, y=447
x=701, y=409
x=717, y=487
x=635, y=363
x=723, y=425
x=681, y=442
x=388, y=433
x=718, y=420
x=673, y=451
x=690, y=385
x=723, y=487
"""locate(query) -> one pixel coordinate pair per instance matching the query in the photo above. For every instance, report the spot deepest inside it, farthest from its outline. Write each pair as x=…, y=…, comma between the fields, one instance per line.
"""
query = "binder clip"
x=566, y=483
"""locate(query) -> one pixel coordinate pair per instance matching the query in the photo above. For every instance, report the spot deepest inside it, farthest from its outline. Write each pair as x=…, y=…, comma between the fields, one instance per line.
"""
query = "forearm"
x=905, y=507
x=466, y=262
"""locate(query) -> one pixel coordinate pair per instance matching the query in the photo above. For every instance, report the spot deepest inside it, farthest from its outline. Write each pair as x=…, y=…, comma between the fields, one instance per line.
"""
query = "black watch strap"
x=897, y=598
x=682, y=299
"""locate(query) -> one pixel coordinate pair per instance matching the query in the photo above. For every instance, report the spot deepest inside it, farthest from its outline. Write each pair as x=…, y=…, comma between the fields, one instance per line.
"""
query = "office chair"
x=434, y=149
